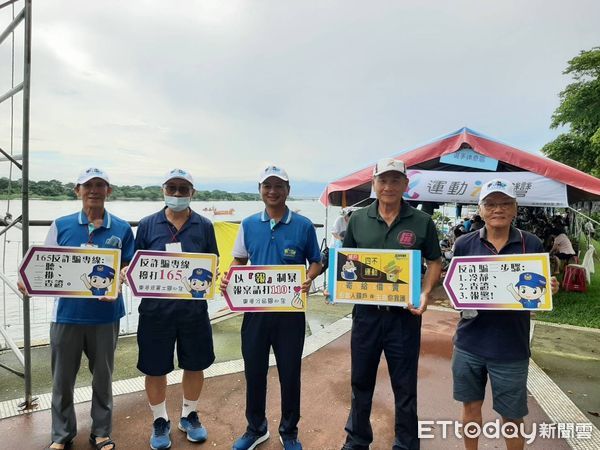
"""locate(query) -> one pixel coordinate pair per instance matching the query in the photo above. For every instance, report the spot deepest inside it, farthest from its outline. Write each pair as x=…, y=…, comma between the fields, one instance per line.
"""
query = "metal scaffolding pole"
x=28, y=403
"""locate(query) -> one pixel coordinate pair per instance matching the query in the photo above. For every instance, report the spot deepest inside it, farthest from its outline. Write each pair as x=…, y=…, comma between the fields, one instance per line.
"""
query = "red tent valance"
x=357, y=186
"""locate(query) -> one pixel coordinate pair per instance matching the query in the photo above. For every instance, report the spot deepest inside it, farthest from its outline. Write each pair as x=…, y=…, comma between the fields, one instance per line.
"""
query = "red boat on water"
x=220, y=212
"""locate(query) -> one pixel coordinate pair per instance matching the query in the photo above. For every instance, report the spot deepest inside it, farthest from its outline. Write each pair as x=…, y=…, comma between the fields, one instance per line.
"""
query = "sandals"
x=101, y=444
x=67, y=445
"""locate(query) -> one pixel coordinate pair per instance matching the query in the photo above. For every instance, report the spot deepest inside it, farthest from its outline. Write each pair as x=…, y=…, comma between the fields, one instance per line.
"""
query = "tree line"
x=55, y=189
x=579, y=110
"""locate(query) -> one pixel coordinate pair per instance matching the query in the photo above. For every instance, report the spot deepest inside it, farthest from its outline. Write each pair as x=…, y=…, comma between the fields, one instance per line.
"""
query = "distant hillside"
x=56, y=190
x=232, y=191
x=299, y=189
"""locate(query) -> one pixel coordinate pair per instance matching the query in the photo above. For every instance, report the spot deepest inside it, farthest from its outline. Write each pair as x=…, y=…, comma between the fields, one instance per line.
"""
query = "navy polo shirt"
x=291, y=241
x=197, y=235
x=73, y=231
x=499, y=335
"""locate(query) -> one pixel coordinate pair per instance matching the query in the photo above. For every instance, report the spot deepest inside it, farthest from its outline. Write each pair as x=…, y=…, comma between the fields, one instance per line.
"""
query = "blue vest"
x=72, y=231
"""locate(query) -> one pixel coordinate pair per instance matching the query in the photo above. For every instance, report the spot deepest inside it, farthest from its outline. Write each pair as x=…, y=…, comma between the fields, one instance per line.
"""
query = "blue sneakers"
x=290, y=444
x=192, y=426
x=349, y=446
x=250, y=441
x=160, y=438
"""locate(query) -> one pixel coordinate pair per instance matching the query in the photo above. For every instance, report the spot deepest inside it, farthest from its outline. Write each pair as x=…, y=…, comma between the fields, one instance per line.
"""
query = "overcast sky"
x=322, y=88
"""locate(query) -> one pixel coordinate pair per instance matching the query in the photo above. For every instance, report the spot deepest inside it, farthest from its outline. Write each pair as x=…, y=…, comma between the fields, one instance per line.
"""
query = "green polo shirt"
x=411, y=230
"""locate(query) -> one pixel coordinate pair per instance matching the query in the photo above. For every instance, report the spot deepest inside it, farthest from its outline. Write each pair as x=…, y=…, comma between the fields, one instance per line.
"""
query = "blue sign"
x=468, y=157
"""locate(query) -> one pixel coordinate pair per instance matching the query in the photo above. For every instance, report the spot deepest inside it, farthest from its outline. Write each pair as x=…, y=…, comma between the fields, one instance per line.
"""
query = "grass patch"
x=578, y=308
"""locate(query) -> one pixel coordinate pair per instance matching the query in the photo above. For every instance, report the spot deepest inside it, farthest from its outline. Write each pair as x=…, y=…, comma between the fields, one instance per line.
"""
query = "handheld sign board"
x=375, y=277
x=503, y=282
x=71, y=271
x=266, y=288
x=159, y=274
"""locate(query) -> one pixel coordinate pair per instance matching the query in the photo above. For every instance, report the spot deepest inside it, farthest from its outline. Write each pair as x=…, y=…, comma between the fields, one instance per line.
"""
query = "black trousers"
x=285, y=333
x=397, y=333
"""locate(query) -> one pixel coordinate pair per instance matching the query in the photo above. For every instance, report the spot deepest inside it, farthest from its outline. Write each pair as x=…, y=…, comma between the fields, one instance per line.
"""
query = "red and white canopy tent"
x=425, y=160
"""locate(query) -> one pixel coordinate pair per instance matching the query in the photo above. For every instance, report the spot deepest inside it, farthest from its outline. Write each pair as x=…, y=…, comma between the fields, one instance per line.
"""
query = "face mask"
x=177, y=204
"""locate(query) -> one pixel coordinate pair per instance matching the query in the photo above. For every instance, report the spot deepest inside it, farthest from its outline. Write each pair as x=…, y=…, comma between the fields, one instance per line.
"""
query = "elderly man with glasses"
x=494, y=344
x=162, y=323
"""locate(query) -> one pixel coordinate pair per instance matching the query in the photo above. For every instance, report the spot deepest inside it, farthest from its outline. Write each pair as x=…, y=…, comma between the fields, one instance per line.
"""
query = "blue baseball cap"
x=201, y=275
x=532, y=280
x=100, y=270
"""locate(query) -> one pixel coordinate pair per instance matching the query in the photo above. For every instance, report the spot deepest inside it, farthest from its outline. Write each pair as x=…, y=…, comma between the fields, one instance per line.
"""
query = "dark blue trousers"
x=285, y=333
x=397, y=333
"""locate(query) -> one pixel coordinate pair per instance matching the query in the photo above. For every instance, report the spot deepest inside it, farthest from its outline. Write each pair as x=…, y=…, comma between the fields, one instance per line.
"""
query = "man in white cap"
x=86, y=325
x=164, y=323
x=389, y=223
x=274, y=236
x=494, y=344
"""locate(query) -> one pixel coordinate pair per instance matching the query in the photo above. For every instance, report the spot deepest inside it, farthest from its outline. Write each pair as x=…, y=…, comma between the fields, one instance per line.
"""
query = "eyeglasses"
x=490, y=206
x=172, y=189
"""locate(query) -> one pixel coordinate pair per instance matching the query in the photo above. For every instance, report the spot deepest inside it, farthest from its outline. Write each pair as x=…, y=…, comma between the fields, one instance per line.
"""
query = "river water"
x=11, y=314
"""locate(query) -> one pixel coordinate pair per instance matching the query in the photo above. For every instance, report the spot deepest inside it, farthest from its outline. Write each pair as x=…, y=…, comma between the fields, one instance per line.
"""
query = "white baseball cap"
x=273, y=171
x=178, y=173
x=389, y=165
x=92, y=172
x=497, y=185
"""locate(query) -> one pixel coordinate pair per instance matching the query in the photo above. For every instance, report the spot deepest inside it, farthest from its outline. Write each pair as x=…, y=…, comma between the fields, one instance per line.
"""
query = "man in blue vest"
x=274, y=236
x=87, y=325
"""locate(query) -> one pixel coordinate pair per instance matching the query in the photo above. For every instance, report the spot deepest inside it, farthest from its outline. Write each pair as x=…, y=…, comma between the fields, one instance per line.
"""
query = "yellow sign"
x=372, y=276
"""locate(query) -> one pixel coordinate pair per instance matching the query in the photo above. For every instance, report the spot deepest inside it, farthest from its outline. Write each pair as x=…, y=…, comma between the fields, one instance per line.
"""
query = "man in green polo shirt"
x=389, y=223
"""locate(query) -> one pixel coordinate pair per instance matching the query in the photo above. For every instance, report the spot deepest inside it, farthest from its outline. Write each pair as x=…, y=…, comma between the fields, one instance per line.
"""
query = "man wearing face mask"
x=163, y=323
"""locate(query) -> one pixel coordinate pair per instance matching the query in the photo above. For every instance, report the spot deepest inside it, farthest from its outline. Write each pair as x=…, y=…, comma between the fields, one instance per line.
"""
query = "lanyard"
x=171, y=226
x=91, y=229
x=493, y=250
x=174, y=235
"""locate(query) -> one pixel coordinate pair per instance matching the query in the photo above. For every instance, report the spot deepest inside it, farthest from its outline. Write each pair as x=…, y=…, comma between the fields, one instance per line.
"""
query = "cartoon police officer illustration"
x=199, y=282
x=530, y=289
x=99, y=279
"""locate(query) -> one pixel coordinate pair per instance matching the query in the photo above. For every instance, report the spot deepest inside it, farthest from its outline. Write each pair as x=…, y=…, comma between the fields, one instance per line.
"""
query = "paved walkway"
x=325, y=402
